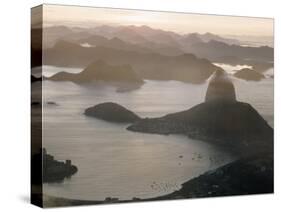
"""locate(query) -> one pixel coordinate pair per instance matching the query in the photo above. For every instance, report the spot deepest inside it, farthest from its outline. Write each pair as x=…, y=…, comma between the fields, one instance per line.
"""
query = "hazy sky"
x=178, y=22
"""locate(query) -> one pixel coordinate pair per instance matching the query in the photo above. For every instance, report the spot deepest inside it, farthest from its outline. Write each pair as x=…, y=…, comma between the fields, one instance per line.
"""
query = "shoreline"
x=256, y=178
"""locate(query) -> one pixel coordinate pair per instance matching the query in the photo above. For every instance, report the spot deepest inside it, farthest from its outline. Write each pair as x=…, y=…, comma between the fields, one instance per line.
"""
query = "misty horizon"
x=179, y=22
x=268, y=40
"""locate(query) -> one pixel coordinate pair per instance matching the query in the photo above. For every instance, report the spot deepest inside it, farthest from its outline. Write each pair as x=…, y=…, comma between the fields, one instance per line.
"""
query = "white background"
x=15, y=103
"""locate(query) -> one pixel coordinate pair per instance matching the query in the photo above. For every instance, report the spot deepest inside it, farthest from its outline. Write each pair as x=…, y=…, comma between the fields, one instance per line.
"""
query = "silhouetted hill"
x=249, y=175
x=236, y=126
x=214, y=50
x=112, y=112
x=249, y=74
x=99, y=70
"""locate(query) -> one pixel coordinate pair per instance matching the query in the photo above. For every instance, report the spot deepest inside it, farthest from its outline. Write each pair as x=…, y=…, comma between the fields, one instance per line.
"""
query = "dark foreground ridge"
x=250, y=175
x=110, y=111
x=249, y=74
x=53, y=170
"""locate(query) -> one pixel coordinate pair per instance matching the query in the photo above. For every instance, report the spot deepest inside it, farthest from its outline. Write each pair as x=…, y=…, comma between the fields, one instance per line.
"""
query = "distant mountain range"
x=135, y=34
x=117, y=43
x=153, y=53
x=215, y=50
x=185, y=67
x=132, y=34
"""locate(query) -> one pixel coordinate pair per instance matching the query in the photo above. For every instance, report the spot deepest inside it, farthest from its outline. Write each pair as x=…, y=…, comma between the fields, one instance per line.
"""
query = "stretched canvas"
x=132, y=105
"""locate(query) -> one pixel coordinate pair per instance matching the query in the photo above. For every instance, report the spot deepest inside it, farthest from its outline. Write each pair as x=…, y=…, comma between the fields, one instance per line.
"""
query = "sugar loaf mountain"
x=220, y=120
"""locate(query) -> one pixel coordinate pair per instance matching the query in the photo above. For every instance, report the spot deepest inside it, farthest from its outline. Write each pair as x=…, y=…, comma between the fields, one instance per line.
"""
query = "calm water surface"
x=114, y=162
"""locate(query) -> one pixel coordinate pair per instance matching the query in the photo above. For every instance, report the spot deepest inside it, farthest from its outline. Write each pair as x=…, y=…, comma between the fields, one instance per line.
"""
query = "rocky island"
x=249, y=74
x=110, y=111
x=234, y=125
